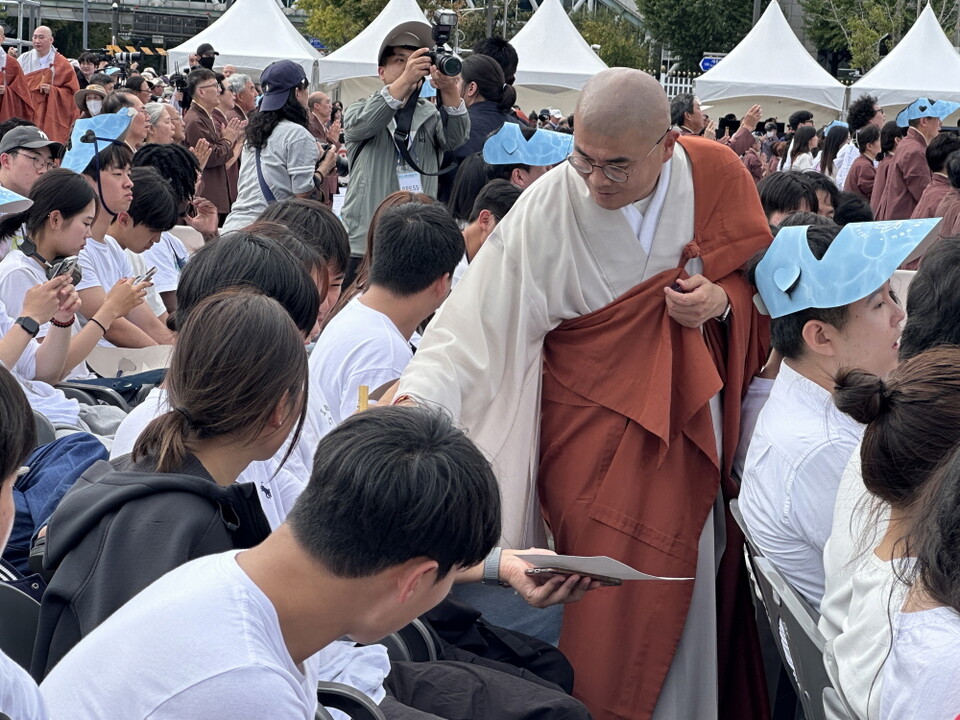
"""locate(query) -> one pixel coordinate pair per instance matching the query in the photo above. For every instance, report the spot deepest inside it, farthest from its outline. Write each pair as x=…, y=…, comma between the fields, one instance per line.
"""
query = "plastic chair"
x=45, y=430
x=347, y=700
x=800, y=642
x=19, y=615
x=93, y=395
x=412, y=643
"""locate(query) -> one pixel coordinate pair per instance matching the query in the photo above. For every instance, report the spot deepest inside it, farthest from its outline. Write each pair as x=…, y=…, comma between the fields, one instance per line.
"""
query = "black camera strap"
x=401, y=135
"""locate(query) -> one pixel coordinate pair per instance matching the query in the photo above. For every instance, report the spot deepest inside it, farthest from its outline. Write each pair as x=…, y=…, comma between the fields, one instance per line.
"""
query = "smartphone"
x=65, y=266
x=605, y=580
x=146, y=276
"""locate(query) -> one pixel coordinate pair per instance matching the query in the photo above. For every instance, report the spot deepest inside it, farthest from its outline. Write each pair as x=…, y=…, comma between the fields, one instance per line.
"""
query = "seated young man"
x=784, y=193
x=824, y=318
x=153, y=211
x=398, y=502
x=936, y=154
x=106, y=166
x=490, y=207
x=416, y=249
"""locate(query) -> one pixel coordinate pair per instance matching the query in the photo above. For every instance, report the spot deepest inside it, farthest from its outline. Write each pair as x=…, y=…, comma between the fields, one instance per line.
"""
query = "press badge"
x=408, y=178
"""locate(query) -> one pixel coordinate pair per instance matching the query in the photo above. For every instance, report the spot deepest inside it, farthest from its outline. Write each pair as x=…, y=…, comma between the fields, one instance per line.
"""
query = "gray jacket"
x=373, y=174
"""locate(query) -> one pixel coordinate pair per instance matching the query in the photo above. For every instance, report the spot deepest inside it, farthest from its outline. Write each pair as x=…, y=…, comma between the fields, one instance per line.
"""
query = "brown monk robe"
x=15, y=101
x=54, y=110
x=629, y=466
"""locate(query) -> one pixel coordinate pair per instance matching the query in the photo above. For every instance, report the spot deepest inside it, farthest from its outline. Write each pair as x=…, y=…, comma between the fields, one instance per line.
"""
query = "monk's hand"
x=752, y=117
x=542, y=591
x=696, y=301
x=45, y=88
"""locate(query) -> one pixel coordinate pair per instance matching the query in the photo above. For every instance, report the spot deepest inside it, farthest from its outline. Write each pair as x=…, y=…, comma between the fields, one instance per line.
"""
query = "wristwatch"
x=29, y=325
x=491, y=567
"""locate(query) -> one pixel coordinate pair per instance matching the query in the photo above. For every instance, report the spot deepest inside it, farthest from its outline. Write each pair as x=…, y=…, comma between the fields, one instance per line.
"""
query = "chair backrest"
x=19, y=615
x=800, y=642
x=347, y=700
x=45, y=430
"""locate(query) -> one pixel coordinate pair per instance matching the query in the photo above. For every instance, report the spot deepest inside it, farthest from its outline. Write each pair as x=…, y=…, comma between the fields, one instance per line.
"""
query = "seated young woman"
x=232, y=402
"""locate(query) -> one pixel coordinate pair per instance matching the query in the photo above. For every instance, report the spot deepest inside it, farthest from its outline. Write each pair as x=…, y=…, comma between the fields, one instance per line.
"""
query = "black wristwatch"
x=29, y=325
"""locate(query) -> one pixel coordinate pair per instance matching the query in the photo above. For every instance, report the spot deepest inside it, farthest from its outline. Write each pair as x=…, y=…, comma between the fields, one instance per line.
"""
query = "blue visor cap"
x=835, y=123
x=508, y=146
x=92, y=135
x=10, y=202
x=860, y=259
x=925, y=107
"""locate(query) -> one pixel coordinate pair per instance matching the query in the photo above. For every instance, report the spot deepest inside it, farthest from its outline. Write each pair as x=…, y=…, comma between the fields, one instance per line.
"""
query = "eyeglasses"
x=204, y=87
x=616, y=173
x=38, y=162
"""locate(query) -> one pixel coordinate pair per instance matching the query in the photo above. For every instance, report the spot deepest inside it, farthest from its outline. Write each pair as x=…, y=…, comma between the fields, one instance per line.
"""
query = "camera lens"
x=449, y=65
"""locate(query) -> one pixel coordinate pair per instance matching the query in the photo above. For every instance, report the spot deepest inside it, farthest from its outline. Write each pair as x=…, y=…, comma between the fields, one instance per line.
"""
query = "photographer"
x=377, y=166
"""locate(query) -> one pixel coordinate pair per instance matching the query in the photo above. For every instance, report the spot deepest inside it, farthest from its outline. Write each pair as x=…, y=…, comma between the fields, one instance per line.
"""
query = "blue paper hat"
x=835, y=123
x=860, y=259
x=925, y=107
x=10, y=202
x=427, y=90
x=508, y=146
x=91, y=135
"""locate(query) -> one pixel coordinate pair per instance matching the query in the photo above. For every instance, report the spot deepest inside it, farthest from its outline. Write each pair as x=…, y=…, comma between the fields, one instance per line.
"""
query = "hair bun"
x=861, y=395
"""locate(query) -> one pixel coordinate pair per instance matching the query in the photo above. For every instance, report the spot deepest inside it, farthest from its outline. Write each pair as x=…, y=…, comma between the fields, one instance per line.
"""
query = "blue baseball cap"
x=11, y=202
x=277, y=81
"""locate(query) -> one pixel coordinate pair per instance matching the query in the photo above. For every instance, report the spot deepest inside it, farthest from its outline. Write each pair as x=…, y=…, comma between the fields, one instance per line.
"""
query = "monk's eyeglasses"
x=615, y=173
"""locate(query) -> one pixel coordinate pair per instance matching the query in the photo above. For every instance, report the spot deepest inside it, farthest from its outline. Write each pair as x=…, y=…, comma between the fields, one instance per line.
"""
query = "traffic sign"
x=708, y=62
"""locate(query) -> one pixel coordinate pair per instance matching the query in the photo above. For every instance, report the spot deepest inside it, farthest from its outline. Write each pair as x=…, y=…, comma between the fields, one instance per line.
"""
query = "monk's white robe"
x=557, y=256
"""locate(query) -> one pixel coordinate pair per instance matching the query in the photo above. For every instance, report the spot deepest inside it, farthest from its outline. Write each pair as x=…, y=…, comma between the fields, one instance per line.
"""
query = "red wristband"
x=53, y=321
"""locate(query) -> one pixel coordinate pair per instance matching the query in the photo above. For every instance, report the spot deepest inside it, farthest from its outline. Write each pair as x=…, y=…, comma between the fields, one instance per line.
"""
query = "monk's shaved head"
x=622, y=99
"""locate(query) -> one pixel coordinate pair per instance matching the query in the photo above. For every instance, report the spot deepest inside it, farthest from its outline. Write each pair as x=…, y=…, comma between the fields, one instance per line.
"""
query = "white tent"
x=251, y=35
x=923, y=64
x=537, y=44
x=771, y=67
x=353, y=67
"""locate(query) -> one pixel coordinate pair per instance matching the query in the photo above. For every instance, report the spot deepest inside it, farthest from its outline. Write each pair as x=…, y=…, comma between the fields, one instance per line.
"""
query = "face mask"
x=771, y=133
x=94, y=106
x=207, y=62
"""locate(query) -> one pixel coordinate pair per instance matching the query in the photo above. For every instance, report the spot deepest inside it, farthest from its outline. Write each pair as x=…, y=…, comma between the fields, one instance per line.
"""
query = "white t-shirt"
x=921, y=678
x=20, y=698
x=168, y=256
x=278, y=488
x=203, y=641
x=799, y=449
x=360, y=346
x=44, y=398
x=103, y=265
x=844, y=161
x=19, y=273
x=139, y=267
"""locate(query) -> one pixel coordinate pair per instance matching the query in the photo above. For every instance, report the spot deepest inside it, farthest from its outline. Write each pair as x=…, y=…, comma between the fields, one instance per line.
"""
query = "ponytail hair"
x=913, y=421
x=58, y=189
x=491, y=84
x=866, y=135
x=222, y=385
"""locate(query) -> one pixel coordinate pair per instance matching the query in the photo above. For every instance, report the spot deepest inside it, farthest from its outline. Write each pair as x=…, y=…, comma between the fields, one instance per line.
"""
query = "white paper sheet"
x=597, y=565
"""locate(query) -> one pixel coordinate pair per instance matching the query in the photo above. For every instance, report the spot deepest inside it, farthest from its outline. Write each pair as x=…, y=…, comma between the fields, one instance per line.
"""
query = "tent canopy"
x=358, y=58
x=251, y=35
x=923, y=64
x=771, y=62
x=551, y=27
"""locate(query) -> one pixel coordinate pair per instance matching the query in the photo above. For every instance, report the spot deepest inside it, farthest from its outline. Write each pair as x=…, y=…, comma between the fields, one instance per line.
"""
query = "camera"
x=444, y=24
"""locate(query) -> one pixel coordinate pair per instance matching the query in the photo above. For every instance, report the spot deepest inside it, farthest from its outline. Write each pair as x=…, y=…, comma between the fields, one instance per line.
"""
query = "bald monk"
x=14, y=93
x=598, y=350
x=53, y=84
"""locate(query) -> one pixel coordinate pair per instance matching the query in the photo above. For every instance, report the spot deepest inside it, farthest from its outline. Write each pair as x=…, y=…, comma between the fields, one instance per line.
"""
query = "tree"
x=692, y=27
x=335, y=22
x=860, y=27
x=621, y=43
